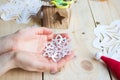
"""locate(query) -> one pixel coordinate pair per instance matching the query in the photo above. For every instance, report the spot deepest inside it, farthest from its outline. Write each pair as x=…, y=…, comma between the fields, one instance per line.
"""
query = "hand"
x=26, y=51
x=30, y=62
x=31, y=39
x=35, y=62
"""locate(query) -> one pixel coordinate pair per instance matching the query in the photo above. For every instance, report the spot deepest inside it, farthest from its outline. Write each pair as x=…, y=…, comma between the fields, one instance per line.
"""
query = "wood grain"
x=18, y=74
x=84, y=15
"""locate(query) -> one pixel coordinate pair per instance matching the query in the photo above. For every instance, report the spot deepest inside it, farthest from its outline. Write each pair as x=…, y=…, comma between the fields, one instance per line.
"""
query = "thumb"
x=50, y=67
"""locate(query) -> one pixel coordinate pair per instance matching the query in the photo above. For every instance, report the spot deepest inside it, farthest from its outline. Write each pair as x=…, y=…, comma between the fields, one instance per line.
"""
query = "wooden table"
x=85, y=14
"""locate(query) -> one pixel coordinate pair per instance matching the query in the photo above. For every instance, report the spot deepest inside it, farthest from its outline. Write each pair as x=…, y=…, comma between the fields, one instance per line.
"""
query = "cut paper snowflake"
x=21, y=10
x=108, y=39
x=57, y=48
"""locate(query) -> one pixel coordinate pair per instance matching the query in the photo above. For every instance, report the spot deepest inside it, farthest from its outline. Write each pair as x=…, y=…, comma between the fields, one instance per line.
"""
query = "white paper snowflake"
x=57, y=48
x=108, y=39
x=21, y=10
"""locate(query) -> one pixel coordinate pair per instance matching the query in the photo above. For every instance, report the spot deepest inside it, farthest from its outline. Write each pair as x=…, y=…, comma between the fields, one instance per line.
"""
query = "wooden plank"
x=18, y=74
x=105, y=12
x=83, y=67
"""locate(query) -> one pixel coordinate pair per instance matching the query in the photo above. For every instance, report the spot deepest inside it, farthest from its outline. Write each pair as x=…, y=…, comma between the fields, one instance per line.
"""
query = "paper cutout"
x=57, y=48
x=108, y=40
x=21, y=10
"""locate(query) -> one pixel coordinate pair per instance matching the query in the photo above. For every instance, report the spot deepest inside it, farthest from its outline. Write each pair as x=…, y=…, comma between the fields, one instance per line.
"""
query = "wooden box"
x=55, y=18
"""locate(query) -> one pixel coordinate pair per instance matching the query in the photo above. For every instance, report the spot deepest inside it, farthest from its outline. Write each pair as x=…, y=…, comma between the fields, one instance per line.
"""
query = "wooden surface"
x=84, y=15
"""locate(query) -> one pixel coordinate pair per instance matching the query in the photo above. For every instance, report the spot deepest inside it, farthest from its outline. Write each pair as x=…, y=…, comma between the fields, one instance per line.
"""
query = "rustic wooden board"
x=82, y=23
x=83, y=67
x=18, y=74
x=105, y=12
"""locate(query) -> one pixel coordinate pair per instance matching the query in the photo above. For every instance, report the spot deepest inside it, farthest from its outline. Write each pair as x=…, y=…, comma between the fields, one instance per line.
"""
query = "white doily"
x=57, y=48
x=108, y=39
x=21, y=10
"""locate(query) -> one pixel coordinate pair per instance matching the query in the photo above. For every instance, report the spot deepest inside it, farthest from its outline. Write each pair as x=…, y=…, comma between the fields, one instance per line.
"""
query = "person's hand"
x=38, y=63
x=31, y=39
x=32, y=61
x=26, y=51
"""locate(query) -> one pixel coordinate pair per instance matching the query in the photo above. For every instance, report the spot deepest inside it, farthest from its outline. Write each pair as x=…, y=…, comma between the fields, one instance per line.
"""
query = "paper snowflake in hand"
x=21, y=10
x=57, y=48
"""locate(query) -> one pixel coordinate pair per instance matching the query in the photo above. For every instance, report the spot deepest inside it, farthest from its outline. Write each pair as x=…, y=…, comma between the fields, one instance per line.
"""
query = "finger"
x=53, y=36
x=54, y=70
x=63, y=35
x=50, y=37
x=46, y=65
x=50, y=67
x=69, y=56
x=62, y=62
x=41, y=30
x=47, y=31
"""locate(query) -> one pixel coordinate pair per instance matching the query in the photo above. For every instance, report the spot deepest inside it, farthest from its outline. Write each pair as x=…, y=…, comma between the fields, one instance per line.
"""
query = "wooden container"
x=55, y=18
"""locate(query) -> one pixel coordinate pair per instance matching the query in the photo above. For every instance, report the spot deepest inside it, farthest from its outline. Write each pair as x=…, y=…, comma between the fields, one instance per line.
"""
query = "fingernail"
x=53, y=72
x=60, y=69
x=74, y=56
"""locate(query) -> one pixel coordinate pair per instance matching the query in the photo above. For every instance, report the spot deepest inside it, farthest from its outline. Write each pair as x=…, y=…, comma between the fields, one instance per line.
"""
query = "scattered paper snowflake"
x=108, y=39
x=21, y=10
x=57, y=48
